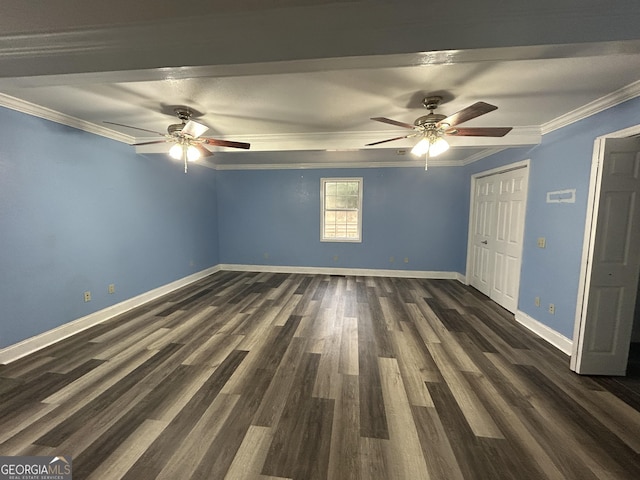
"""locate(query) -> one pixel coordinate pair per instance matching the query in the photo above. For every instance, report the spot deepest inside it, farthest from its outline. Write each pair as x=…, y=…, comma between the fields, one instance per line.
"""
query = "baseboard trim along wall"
x=556, y=339
x=32, y=344
x=358, y=272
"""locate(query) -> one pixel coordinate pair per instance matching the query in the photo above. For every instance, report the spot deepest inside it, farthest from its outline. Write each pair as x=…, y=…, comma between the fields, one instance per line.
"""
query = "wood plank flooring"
x=285, y=376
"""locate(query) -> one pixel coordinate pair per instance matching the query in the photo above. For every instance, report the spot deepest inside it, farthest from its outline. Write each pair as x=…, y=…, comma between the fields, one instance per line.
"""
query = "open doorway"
x=611, y=258
x=627, y=388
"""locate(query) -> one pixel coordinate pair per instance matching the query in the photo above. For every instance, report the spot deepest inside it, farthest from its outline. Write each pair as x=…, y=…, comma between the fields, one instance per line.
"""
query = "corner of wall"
x=556, y=339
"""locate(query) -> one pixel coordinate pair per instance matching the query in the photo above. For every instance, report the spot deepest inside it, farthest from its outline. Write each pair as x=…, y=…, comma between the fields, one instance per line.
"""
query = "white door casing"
x=496, y=232
x=608, y=291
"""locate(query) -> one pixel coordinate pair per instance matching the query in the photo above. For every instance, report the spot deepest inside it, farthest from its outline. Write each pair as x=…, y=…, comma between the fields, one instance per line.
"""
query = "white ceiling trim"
x=520, y=136
x=342, y=140
x=480, y=155
x=314, y=141
x=611, y=100
x=61, y=118
x=321, y=165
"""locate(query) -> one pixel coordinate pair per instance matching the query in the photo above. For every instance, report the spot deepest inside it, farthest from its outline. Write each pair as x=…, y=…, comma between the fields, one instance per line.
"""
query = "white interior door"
x=483, y=225
x=509, y=233
x=497, y=226
x=614, y=256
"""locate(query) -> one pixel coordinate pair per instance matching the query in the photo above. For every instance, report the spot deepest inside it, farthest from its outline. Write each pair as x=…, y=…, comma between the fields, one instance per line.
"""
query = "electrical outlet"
x=266, y=255
x=406, y=259
x=537, y=301
x=87, y=296
x=542, y=242
x=552, y=308
x=392, y=259
x=335, y=258
x=112, y=288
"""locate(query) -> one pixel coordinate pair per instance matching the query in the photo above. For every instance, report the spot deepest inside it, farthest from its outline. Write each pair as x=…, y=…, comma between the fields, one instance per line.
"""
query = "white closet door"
x=483, y=225
x=498, y=232
x=509, y=233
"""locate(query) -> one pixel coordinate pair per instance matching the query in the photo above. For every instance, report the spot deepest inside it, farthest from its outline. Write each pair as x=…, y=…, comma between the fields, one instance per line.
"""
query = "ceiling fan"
x=433, y=127
x=188, y=144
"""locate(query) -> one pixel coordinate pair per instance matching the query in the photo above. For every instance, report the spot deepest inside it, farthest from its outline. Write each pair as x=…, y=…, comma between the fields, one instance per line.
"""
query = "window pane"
x=329, y=217
x=341, y=215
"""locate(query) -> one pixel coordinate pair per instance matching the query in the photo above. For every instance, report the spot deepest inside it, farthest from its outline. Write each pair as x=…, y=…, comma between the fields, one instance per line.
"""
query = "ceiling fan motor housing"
x=175, y=129
x=183, y=114
x=429, y=119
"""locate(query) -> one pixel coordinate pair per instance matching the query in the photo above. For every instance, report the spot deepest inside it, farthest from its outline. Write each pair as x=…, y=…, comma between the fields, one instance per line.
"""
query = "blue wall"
x=273, y=217
x=561, y=161
x=78, y=212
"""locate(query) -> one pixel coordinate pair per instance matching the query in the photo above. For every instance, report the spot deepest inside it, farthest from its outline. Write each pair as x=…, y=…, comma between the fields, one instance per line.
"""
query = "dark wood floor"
x=626, y=388
x=259, y=375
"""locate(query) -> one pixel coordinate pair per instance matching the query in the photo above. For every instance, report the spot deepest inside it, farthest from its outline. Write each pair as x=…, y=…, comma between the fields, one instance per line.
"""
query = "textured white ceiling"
x=299, y=103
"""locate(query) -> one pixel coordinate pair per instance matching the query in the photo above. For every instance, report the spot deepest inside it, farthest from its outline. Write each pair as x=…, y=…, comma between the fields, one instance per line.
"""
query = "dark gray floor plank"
x=234, y=359
x=156, y=456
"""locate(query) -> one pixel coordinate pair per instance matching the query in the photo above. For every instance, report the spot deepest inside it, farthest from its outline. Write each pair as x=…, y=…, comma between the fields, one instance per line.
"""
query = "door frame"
x=593, y=205
x=487, y=173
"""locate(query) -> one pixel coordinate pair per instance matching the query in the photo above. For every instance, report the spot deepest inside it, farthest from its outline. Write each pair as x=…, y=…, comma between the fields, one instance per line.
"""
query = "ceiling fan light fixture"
x=421, y=148
x=193, y=153
x=434, y=146
x=438, y=146
x=176, y=151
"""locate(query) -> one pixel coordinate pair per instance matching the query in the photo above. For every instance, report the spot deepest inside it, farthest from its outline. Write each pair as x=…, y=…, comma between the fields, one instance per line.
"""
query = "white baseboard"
x=37, y=342
x=358, y=272
x=30, y=345
x=556, y=339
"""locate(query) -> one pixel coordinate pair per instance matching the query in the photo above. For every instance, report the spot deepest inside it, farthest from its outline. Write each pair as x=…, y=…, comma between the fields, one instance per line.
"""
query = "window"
x=341, y=216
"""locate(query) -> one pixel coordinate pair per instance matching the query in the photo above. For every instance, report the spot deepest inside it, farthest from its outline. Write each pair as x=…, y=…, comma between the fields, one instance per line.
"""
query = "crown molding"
x=323, y=165
x=356, y=140
x=611, y=100
x=480, y=155
x=61, y=118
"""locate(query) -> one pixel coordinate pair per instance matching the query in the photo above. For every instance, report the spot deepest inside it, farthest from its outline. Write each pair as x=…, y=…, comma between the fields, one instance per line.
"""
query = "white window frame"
x=323, y=182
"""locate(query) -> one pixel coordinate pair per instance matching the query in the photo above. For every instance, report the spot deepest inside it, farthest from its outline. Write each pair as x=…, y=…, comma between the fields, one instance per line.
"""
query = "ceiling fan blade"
x=393, y=122
x=388, y=140
x=203, y=151
x=194, y=129
x=466, y=114
x=479, y=131
x=226, y=143
x=149, y=143
x=135, y=128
